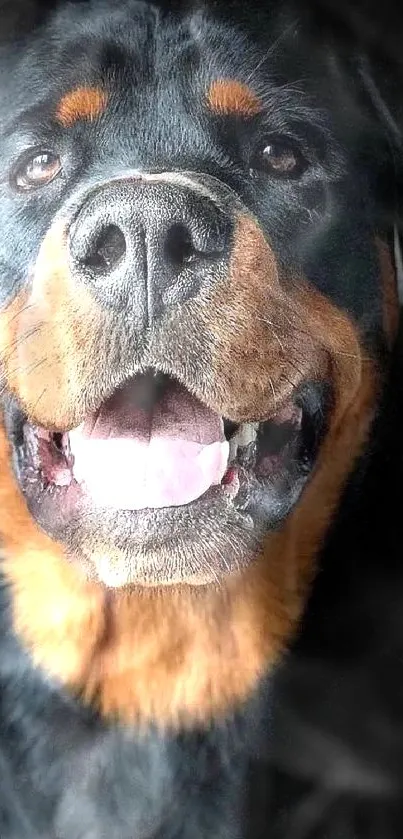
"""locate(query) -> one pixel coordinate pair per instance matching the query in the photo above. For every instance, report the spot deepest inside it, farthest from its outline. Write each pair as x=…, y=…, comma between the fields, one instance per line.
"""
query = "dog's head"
x=195, y=300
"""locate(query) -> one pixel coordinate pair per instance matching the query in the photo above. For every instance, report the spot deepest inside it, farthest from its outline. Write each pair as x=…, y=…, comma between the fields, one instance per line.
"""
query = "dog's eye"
x=36, y=171
x=279, y=157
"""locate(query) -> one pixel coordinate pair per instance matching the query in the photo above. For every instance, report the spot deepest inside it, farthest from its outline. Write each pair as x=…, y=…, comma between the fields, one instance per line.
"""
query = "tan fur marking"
x=271, y=348
x=82, y=103
x=229, y=96
x=48, y=335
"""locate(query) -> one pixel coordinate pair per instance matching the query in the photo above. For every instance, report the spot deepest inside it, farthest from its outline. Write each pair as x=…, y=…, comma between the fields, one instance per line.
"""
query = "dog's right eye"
x=278, y=157
x=36, y=171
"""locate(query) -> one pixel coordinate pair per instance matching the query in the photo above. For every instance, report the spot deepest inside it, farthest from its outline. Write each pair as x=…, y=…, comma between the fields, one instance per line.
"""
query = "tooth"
x=246, y=434
x=32, y=444
x=66, y=444
x=233, y=448
x=67, y=450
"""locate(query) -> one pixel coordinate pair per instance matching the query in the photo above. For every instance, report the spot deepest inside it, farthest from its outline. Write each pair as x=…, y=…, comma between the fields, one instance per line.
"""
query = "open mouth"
x=155, y=463
x=154, y=445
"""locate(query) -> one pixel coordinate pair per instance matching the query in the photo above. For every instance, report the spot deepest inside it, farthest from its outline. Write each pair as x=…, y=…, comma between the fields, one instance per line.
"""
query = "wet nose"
x=148, y=245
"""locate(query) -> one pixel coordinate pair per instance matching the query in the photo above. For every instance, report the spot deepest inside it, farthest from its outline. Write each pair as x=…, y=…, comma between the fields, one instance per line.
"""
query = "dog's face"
x=191, y=293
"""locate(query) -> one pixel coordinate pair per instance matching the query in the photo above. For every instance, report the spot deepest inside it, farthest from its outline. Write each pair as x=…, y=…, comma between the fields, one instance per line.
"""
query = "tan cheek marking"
x=267, y=332
x=228, y=96
x=256, y=335
x=49, y=339
x=355, y=388
x=82, y=103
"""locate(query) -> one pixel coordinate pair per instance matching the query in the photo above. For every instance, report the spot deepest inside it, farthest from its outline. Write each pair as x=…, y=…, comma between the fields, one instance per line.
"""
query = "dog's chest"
x=108, y=784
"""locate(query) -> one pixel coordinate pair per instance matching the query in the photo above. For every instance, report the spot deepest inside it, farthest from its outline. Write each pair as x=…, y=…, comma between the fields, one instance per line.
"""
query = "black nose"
x=148, y=245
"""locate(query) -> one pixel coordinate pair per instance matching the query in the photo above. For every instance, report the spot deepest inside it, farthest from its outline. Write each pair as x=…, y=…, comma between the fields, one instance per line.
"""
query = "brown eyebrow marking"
x=229, y=96
x=81, y=103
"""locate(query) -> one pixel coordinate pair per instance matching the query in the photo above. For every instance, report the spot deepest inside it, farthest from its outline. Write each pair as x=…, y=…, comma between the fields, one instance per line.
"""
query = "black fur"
x=318, y=752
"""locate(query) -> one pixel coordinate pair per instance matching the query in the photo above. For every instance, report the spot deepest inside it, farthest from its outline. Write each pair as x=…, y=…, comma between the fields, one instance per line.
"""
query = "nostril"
x=107, y=250
x=179, y=247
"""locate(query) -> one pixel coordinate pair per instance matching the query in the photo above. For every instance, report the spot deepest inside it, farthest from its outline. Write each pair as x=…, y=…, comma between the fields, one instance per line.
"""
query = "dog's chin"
x=189, y=502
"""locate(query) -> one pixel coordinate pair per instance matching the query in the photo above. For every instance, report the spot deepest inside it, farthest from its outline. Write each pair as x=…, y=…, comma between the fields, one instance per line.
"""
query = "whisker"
x=273, y=47
x=20, y=312
x=273, y=392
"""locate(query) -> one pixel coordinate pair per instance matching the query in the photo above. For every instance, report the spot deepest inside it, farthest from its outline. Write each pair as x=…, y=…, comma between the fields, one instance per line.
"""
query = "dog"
x=198, y=348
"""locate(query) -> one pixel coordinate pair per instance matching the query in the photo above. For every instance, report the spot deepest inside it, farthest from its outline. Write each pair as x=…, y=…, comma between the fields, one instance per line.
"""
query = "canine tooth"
x=32, y=445
x=233, y=448
x=246, y=434
x=66, y=444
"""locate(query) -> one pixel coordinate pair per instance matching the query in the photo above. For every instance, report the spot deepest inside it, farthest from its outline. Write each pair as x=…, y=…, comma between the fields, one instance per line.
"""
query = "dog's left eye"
x=37, y=170
x=279, y=157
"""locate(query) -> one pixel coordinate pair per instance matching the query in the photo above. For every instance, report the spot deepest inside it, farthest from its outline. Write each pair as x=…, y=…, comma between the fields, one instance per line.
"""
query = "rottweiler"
x=198, y=317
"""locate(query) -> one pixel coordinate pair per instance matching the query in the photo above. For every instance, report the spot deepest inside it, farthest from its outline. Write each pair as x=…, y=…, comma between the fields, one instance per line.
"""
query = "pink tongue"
x=131, y=456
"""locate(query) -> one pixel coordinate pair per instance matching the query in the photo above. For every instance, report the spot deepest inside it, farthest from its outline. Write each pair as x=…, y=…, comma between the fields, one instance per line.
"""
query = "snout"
x=147, y=246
